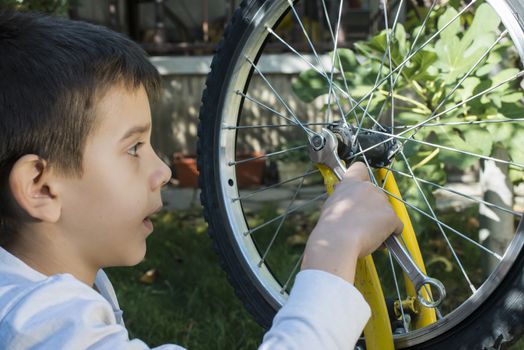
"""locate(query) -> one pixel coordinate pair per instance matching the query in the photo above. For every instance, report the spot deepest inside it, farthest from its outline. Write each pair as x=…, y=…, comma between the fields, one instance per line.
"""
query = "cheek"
x=110, y=199
x=120, y=200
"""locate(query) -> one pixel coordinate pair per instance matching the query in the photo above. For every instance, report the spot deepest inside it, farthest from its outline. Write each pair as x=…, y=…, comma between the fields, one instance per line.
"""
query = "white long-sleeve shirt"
x=40, y=312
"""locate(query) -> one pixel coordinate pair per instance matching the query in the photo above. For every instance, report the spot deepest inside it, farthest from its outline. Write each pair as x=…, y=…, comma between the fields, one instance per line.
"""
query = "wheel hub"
x=376, y=146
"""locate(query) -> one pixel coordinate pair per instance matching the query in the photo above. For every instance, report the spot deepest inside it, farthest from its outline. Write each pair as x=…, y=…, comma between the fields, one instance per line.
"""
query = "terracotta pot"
x=251, y=173
x=186, y=170
x=248, y=174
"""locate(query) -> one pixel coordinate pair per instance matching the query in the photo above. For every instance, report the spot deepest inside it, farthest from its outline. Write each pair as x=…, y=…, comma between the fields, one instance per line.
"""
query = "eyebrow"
x=138, y=129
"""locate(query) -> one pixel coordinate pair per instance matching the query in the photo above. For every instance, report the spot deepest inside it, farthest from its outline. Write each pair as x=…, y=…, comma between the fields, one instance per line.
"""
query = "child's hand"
x=356, y=219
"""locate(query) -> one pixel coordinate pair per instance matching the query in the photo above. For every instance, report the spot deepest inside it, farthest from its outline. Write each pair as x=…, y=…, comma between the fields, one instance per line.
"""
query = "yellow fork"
x=426, y=316
x=377, y=333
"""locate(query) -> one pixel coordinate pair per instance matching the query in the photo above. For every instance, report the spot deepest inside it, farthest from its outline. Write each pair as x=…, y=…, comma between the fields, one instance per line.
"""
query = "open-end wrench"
x=323, y=150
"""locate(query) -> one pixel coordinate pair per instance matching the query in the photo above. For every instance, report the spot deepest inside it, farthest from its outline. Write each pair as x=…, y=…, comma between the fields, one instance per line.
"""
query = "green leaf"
x=379, y=42
x=453, y=140
x=515, y=147
x=401, y=44
x=485, y=21
x=496, y=100
x=348, y=59
x=485, y=69
x=453, y=28
x=516, y=175
x=512, y=110
x=410, y=149
x=418, y=68
x=405, y=118
x=450, y=59
x=503, y=75
x=478, y=139
x=513, y=97
x=457, y=56
x=363, y=48
x=468, y=87
x=309, y=85
x=500, y=132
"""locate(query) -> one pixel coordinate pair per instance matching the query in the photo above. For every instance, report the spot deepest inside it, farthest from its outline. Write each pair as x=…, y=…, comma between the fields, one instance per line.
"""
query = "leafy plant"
x=440, y=82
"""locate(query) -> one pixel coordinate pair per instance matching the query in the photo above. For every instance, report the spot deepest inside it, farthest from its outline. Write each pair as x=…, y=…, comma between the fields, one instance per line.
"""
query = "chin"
x=134, y=259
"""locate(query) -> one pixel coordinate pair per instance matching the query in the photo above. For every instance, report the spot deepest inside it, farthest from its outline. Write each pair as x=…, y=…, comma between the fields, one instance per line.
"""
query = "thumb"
x=399, y=226
x=357, y=172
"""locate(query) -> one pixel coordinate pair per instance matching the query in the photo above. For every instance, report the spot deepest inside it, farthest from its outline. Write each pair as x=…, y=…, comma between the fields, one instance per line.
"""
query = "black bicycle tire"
x=495, y=325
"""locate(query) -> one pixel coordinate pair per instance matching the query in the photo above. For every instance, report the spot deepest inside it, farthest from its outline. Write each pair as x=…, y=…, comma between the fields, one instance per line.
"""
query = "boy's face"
x=104, y=212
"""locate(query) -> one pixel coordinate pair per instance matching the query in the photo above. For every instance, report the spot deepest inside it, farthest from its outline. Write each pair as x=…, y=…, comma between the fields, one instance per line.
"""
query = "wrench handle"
x=419, y=279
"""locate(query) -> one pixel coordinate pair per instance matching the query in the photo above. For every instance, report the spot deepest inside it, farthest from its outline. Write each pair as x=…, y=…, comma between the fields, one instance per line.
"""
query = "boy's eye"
x=133, y=151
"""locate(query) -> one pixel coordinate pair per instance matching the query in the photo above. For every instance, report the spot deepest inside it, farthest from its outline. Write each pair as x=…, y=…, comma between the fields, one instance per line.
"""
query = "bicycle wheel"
x=443, y=79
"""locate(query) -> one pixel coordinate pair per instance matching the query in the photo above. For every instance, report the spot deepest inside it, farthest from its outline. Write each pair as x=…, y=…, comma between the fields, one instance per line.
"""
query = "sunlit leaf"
x=515, y=147
x=452, y=28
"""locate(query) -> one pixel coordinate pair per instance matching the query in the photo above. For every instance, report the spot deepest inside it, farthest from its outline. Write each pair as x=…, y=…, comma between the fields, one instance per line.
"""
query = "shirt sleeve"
x=323, y=311
x=63, y=313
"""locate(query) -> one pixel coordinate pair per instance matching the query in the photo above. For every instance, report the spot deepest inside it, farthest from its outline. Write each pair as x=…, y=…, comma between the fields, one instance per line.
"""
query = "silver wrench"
x=323, y=150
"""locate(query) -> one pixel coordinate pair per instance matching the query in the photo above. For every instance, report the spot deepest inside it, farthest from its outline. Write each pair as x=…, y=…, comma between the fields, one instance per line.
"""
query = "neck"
x=51, y=257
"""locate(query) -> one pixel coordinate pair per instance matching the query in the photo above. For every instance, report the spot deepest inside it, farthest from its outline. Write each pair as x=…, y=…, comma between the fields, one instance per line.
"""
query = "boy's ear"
x=33, y=186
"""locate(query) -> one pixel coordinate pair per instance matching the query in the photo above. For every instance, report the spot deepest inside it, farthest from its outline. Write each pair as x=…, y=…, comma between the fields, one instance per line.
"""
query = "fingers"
x=357, y=171
x=399, y=225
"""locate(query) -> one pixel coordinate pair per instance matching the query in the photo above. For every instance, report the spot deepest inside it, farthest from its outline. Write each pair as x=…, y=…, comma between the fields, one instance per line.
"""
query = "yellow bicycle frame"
x=377, y=333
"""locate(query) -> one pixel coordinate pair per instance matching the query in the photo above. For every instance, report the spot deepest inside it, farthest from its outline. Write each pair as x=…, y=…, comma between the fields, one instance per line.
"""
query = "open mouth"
x=147, y=220
x=148, y=223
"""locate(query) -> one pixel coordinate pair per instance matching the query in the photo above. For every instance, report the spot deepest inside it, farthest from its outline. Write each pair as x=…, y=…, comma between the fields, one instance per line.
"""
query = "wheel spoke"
x=452, y=108
x=335, y=45
x=305, y=33
x=398, y=292
x=415, y=41
x=497, y=256
x=309, y=132
x=410, y=56
x=391, y=137
x=286, y=213
x=340, y=67
x=271, y=126
x=460, y=104
x=263, y=105
x=437, y=221
x=388, y=50
x=330, y=80
x=267, y=155
x=251, y=194
x=379, y=75
x=309, y=202
x=480, y=156
x=352, y=101
x=473, y=122
x=450, y=190
x=468, y=73
x=293, y=271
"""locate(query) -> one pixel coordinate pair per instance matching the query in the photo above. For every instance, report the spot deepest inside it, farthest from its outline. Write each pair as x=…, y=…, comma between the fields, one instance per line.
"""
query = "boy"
x=79, y=181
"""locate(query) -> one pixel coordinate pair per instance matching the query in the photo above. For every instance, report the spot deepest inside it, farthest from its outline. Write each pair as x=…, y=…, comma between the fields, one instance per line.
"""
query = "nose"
x=161, y=175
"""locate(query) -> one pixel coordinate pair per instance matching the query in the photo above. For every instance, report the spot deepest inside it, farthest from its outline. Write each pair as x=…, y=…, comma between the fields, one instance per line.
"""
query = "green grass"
x=190, y=303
